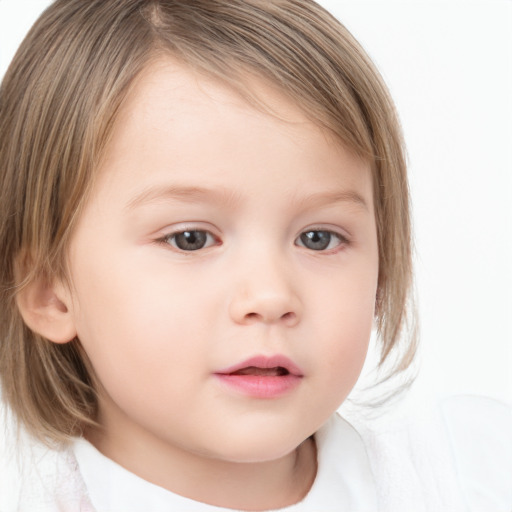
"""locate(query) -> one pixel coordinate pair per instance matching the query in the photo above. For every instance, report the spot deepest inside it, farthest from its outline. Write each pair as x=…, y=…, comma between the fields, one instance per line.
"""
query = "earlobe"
x=46, y=309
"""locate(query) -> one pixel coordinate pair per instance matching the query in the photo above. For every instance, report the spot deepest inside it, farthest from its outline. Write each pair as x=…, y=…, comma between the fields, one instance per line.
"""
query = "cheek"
x=344, y=321
x=133, y=326
x=346, y=347
x=136, y=349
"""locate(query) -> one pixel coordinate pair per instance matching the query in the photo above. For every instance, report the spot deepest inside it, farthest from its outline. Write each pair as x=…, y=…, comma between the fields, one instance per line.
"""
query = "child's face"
x=216, y=233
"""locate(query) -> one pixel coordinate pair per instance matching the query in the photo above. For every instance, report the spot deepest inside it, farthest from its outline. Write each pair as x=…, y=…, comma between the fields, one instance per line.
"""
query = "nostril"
x=253, y=317
x=286, y=317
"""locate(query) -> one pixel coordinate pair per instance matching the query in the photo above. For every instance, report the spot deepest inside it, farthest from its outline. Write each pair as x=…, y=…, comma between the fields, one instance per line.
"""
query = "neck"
x=247, y=486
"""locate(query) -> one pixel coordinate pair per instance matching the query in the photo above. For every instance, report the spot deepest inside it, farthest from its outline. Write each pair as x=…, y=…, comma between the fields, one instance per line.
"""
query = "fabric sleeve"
x=10, y=484
x=480, y=433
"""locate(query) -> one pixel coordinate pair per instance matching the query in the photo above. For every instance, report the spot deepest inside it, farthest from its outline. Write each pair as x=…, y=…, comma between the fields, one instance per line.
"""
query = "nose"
x=264, y=292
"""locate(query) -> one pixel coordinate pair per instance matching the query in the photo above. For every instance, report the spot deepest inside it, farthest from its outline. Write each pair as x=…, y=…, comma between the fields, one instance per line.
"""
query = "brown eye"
x=319, y=240
x=192, y=240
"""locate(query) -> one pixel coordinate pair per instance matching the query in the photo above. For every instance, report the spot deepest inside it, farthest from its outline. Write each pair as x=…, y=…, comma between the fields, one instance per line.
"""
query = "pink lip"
x=250, y=378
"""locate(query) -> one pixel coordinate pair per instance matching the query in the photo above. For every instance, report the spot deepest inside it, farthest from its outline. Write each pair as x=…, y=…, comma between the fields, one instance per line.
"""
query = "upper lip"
x=261, y=361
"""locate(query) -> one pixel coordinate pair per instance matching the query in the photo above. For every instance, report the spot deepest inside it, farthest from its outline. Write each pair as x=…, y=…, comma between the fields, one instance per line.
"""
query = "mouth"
x=278, y=371
x=262, y=377
x=273, y=366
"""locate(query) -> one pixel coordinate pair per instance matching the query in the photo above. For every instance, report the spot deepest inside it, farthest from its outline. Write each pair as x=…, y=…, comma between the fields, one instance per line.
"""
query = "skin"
x=157, y=321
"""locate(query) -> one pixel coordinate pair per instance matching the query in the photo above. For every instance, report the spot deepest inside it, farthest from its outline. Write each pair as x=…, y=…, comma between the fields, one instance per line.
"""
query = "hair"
x=58, y=104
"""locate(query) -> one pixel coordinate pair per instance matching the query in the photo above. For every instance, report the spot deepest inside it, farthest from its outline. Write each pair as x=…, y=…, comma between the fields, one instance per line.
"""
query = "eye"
x=190, y=240
x=320, y=240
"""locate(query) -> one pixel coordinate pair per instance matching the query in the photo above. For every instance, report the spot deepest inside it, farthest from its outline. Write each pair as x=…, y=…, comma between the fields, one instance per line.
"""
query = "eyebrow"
x=319, y=199
x=228, y=197
x=191, y=194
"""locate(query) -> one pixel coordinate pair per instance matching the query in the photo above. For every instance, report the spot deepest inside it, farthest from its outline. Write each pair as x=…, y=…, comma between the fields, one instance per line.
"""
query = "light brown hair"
x=58, y=104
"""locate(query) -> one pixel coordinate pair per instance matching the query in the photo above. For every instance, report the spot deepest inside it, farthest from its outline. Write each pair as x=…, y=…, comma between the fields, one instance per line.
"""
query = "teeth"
x=267, y=372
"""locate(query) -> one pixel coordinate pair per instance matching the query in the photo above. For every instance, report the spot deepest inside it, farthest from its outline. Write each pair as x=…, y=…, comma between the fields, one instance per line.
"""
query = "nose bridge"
x=264, y=290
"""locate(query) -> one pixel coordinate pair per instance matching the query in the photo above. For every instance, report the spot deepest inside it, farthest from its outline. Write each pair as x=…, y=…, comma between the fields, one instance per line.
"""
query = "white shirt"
x=346, y=486
x=457, y=457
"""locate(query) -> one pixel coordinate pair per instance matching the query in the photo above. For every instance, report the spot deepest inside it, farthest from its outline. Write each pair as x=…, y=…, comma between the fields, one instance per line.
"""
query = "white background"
x=449, y=67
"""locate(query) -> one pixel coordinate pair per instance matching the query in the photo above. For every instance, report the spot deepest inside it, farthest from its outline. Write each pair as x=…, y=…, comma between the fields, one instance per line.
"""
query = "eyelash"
x=208, y=238
x=169, y=238
x=343, y=241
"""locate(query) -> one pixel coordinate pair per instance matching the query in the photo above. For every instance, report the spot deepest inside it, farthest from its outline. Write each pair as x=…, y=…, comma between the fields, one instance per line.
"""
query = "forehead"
x=168, y=88
x=183, y=119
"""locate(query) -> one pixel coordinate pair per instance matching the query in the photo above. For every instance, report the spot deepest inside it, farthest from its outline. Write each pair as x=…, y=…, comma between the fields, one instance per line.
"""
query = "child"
x=204, y=210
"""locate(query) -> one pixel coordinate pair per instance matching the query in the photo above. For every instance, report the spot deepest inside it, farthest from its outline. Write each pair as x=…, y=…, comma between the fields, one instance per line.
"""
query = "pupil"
x=316, y=240
x=191, y=240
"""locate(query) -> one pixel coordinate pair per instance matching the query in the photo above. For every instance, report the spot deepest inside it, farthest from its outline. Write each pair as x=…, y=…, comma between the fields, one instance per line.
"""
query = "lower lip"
x=259, y=386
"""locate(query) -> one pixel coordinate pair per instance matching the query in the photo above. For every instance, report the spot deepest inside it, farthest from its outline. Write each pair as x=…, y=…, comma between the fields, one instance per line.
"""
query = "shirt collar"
x=344, y=480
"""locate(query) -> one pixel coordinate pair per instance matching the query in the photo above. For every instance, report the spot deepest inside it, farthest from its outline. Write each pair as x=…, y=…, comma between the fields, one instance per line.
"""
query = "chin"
x=257, y=448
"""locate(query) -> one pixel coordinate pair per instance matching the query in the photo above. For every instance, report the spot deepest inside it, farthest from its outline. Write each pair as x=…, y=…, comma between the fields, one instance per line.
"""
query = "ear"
x=46, y=309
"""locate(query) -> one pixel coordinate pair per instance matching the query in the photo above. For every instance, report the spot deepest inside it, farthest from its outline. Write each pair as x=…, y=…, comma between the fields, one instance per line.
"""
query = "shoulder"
x=9, y=475
x=479, y=430
x=452, y=453
x=34, y=476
